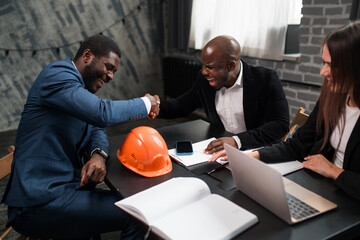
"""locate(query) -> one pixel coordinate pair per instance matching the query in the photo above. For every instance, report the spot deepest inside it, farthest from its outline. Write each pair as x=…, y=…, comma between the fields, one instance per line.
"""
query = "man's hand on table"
x=216, y=147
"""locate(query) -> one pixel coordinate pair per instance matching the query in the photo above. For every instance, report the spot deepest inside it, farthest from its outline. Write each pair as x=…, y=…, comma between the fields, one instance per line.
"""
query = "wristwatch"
x=101, y=152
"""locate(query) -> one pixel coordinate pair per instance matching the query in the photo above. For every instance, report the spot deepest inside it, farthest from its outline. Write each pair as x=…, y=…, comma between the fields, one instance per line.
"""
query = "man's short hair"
x=99, y=45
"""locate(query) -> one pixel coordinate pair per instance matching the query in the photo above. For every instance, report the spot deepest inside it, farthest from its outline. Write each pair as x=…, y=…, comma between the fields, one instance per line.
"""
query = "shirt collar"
x=74, y=65
x=239, y=80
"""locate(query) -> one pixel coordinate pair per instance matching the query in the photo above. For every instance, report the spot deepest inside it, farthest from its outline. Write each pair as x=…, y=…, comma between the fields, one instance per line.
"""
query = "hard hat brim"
x=157, y=173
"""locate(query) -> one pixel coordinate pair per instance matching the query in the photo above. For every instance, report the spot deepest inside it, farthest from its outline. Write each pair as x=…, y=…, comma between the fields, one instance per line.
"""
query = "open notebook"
x=184, y=208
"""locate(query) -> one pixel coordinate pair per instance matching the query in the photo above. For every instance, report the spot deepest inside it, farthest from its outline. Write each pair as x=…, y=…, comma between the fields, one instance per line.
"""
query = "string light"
x=57, y=48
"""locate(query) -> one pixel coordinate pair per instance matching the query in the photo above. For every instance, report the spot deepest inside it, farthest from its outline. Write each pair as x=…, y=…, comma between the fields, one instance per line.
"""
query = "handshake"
x=155, y=102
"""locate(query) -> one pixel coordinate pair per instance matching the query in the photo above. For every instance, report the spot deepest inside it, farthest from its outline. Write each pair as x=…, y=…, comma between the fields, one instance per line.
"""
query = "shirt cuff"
x=147, y=104
x=237, y=140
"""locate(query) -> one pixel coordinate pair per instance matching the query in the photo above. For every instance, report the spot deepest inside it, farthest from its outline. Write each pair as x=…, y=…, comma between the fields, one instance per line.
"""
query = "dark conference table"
x=341, y=223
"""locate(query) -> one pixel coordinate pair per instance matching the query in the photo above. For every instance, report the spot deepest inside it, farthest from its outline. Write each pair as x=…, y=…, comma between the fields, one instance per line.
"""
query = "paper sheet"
x=197, y=157
x=286, y=167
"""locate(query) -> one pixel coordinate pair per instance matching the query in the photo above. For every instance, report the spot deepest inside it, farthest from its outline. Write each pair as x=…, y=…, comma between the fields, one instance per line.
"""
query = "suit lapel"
x=352, y=143
x=247, y=95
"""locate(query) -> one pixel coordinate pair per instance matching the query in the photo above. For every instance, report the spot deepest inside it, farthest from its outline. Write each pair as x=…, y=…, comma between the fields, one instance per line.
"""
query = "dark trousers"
x=78, y=214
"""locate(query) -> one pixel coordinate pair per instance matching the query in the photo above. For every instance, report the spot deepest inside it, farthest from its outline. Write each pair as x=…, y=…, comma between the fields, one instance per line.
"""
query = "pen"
x=219, y=167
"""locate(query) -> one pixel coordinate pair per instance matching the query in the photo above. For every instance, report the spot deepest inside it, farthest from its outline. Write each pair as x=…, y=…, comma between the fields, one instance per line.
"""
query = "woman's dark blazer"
x=307, y=141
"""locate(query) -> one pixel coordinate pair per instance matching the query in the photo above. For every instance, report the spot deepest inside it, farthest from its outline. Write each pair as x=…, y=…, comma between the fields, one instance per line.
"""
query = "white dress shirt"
x=229, y=107
x=351, y=116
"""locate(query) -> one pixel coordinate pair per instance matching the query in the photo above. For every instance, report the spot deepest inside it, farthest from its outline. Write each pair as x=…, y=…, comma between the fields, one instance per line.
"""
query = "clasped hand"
x=155, y=102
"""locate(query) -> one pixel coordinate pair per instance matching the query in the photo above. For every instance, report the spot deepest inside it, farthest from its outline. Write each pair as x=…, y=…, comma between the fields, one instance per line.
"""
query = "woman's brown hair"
x=344, y=48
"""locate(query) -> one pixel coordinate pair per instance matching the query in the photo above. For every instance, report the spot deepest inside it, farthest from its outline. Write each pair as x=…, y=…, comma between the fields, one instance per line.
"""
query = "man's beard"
x=90, y=75
x=223, y=82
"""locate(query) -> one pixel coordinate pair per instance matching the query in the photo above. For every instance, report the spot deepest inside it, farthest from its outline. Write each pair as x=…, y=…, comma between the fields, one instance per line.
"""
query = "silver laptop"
x=286, y=199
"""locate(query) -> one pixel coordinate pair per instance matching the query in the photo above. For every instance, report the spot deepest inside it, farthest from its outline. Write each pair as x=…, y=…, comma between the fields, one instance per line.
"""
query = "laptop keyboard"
x=299, y=209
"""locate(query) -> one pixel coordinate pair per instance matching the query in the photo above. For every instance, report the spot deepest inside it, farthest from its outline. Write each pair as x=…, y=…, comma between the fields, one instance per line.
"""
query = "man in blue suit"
x=245, y=100
x=51, y=192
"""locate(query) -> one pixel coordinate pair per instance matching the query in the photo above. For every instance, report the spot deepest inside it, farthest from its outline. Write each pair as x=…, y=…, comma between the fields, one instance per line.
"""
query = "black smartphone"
x=184, y=147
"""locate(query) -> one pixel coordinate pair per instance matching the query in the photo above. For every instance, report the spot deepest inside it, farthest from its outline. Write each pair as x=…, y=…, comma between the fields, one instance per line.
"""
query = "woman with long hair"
x=329, y=142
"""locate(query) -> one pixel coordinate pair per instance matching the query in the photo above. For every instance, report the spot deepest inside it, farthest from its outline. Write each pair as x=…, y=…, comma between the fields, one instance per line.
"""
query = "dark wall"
x=35, y=33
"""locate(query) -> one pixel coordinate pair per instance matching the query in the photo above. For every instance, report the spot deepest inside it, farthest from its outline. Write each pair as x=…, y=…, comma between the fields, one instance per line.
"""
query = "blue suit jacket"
x=266, y=109
x=60, y=120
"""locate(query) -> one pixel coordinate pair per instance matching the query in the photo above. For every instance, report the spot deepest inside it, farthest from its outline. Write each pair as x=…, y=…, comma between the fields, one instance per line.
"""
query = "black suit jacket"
x=266, y=109
x=306, y=141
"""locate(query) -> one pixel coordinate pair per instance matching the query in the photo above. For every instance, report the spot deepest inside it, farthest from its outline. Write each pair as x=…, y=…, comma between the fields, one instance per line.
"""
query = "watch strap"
x=101, y=152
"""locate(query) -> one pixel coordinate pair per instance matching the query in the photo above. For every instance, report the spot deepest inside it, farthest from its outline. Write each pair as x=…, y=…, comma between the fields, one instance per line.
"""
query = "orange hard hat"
x=144, y=151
